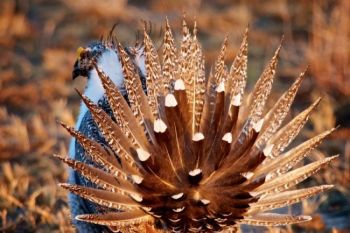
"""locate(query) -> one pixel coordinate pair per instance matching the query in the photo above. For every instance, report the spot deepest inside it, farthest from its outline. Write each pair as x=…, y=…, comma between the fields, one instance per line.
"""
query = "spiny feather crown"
x=194, y=155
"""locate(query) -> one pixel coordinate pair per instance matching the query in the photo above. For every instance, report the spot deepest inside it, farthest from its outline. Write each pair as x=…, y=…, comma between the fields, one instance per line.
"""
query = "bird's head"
x=106, y=55
x=86, y=57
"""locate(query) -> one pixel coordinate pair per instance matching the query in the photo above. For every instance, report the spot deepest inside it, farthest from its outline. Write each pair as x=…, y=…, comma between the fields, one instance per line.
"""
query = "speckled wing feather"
x=196, y=101
x=293, y=177
x=136, y=96
x=286, y=198
x=170, y=63
x=278, y=112
x=103, y=197
x=262, y=89
x=122, y=112
x=155, y=85
x=220, y=74
x=285, y=135
x=117, y=219
x=271, y=219
x=112, y=133
x=238, y=71
x=101, y=178
x=289, y=159
x=235, y=85
x=184, y=58
x=99, y=155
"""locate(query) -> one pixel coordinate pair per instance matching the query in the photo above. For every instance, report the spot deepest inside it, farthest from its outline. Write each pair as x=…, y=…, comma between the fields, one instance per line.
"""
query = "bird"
x=104, y=54
x=161, y=145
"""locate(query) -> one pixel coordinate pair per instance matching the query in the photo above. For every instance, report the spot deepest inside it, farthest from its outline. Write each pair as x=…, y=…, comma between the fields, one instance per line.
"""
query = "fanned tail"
x=191, y=152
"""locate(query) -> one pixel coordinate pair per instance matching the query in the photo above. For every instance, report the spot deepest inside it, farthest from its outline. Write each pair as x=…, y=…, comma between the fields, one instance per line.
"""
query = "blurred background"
x=38, y=40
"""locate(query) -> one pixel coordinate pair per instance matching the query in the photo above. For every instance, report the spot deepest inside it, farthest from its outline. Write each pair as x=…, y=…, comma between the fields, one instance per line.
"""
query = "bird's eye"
x=80, y=50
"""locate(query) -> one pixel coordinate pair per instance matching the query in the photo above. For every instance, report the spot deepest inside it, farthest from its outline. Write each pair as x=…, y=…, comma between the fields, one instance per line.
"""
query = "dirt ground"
x=38, y=42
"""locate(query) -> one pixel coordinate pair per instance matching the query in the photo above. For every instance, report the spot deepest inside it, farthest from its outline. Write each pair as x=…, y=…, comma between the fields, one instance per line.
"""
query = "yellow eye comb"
x=80, y=50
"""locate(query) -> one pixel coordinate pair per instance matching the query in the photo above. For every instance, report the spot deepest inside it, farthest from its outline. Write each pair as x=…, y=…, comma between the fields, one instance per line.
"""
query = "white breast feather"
x=140, y=60
x=110, y=64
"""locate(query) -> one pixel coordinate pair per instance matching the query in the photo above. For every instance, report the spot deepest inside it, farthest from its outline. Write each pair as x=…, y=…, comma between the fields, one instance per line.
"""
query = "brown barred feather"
x=138, y=99
x=282, y=199
x=117, y=219
x=262, y=89
x=104, y=197
x=293, y=177
x=285, y=135
x=220, y=73
x=169, y=69
x=276, y=115
x=287, y=160
x=155, y=86
x=113, y=134
x=103, y=179
x=185, y=59
x=271, y=219
x=101, y=156
x=196, y=102
x=122, y=112
x=238, y=70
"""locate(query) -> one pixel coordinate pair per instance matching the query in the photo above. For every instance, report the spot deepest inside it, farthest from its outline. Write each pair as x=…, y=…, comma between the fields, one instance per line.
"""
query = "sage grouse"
x=160, y=147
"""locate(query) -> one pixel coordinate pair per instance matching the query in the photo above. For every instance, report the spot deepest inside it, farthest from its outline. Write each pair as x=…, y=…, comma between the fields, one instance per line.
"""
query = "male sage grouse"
x=160, y=147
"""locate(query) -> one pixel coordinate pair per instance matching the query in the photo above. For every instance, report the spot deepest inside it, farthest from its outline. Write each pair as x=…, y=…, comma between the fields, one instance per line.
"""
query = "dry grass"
x=37, y=44
x=329, y=50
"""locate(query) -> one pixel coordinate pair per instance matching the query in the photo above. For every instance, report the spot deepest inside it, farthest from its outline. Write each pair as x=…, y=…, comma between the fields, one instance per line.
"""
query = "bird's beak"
x=76, y=70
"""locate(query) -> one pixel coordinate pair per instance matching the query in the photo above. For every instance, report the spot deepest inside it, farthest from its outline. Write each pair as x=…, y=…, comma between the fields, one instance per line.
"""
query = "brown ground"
x=38, y=40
